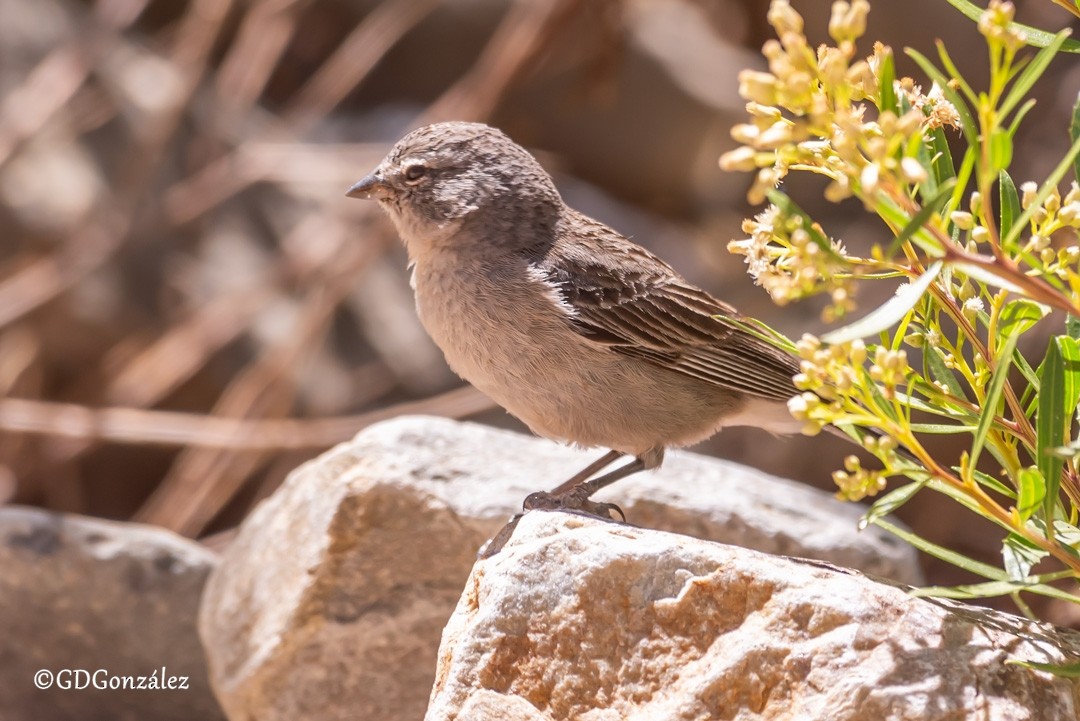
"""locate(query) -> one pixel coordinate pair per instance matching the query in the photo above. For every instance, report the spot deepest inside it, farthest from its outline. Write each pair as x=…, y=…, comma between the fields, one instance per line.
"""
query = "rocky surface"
x=592, y=621
x=89, y=601
x=330, y=602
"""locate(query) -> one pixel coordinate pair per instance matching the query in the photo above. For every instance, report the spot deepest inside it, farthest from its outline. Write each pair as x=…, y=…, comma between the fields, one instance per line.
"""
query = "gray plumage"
x=582, y=334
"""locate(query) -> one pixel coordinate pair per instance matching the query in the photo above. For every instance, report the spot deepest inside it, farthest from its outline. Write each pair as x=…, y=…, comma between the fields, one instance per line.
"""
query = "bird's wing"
x=631, y=301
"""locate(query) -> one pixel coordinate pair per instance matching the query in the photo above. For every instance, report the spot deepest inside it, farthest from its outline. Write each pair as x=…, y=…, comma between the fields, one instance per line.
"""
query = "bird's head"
x=442, y=177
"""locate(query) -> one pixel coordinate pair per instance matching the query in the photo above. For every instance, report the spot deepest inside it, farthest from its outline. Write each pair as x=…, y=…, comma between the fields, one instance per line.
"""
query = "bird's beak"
x=370, y=183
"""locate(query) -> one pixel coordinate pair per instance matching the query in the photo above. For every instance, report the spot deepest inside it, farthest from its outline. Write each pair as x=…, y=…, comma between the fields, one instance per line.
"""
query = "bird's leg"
x=587, y=472
x=574, y=494
x=592, y=486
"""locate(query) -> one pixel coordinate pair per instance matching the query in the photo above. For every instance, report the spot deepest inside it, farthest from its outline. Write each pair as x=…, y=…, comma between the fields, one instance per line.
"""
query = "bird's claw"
x=572, y=501
x=576, y=500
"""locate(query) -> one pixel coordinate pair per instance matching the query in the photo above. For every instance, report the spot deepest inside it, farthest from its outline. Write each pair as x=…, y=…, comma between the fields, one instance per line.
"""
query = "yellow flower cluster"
x=806, y=112
x=813, y=412
x=939, y=112
x=784, y=258
x=809, y=112
x=827, y=369
x=824, y=373
x=1053, y=215
x=890, y=369
x=856, y=483
x=994, y=25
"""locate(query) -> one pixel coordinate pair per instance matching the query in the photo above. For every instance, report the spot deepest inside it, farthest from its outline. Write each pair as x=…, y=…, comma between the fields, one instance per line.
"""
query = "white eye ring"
x=414, y=172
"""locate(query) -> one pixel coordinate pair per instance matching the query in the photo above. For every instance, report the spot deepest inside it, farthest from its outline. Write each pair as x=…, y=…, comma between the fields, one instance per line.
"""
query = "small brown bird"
x=585, y=336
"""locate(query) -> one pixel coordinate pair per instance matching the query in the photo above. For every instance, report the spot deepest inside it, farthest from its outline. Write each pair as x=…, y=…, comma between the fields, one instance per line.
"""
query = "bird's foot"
x=576, y=500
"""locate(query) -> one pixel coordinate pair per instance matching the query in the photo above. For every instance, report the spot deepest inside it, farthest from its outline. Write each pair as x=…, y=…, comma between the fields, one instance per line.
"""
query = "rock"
x=330, y=602
x=81, y=594
x=593, y=621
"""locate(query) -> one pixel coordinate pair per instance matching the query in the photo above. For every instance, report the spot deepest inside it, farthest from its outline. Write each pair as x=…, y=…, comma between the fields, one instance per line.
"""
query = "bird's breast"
x=498, y=328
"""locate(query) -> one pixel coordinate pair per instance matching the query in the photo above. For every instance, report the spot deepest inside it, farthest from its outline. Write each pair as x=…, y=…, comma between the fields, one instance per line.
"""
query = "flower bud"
x=741, y=159
x=775, y=135
x=913, y=170
x=745, y=133
x=757, y=86
x=869, y=178
x=975, y=203
x=1028, y=191
x=848, y=20
x=784, y=18
x=962, y=219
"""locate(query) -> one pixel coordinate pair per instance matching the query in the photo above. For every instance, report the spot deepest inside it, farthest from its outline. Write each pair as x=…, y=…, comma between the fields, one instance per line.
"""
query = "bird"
x=585, y=336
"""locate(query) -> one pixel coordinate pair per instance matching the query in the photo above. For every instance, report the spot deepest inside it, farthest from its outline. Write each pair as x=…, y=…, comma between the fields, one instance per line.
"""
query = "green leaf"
x=937, y=409
x=940, y=428
x=1010, y=202
x=1068, y=534
x=1018, y=316
x=963, y=177
x=928, y=189
x=888, y=503
x=1032, y=72
x=1000, y=150
x=955, y=77
x=1074, y=133
x=993, y=395
x=1065, y=670
x=1032, y=491
x=1019, y=555
x=1028, y=372
x=985, y=479
x=965, y=499
x=888, y=313
x=944, y=554
x=941, y=373
x=884, y=406
x=1059, y=383
x=1032, y=36
x=1072, y=327
x=941, y=159
x=897, y=217
x=761, y=331
x=887, y=72
x=995, y=588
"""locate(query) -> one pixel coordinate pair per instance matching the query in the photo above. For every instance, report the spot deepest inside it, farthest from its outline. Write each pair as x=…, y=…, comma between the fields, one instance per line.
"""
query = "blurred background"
x=190, y=307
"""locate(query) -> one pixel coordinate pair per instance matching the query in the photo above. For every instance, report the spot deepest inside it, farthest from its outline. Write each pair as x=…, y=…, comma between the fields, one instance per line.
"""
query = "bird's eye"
x=414, y=172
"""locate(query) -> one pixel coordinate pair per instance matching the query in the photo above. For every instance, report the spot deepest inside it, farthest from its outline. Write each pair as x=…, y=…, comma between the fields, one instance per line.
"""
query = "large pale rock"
x=586, y=620
x=330, y=602
x=84, y=595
